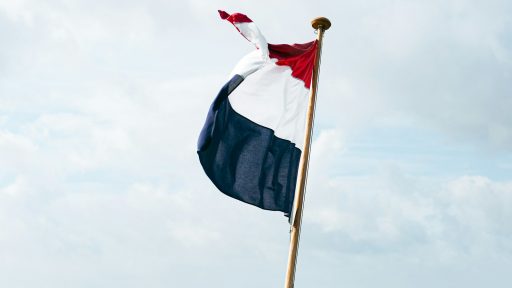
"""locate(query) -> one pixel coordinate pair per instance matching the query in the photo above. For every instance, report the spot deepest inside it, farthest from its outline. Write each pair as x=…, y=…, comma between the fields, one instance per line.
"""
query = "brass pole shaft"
x=320, y=24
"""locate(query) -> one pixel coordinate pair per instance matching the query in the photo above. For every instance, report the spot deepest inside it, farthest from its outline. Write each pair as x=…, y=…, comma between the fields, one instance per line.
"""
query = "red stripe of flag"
x=235, y=17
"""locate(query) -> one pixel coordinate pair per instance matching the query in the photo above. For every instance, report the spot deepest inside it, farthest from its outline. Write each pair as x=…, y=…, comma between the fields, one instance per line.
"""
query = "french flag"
x=251, y=143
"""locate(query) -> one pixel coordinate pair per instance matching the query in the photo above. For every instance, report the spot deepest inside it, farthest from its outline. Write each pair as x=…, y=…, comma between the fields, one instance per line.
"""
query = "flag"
x=251, y=143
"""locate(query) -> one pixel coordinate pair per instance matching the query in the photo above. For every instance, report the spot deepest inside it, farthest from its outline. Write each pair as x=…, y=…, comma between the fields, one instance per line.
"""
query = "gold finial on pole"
x=320, y=24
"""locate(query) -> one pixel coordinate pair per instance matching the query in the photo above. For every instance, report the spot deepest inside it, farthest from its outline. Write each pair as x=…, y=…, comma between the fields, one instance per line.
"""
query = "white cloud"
x=388, y=209
x=421, y=64
x=100, y=108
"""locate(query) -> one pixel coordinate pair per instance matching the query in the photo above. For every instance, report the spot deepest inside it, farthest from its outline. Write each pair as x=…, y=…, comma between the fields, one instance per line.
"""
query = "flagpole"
x=320, y=24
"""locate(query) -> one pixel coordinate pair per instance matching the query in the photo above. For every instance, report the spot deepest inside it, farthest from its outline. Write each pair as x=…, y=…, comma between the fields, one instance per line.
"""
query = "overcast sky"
x=410, y=183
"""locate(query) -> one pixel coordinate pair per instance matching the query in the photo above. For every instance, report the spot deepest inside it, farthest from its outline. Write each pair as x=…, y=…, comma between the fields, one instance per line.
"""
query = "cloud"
x=413, y=63
x=100, y=107
x=388, y=210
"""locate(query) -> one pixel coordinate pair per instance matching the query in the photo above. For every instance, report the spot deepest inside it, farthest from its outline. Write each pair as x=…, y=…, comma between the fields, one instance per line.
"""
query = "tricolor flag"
x=251, y=143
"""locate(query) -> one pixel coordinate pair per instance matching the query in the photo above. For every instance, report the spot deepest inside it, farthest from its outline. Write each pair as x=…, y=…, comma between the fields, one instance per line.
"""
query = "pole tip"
x=322, y=22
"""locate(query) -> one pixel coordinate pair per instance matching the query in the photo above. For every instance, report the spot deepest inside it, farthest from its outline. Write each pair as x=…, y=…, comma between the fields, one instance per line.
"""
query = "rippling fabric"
x=246, y=160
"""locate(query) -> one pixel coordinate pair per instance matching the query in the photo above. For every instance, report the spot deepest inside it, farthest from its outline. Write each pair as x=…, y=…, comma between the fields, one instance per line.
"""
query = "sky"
x=101, y=104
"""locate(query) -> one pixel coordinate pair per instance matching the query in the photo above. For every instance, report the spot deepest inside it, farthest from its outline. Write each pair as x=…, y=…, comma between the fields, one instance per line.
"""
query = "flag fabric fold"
x=251, y=142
